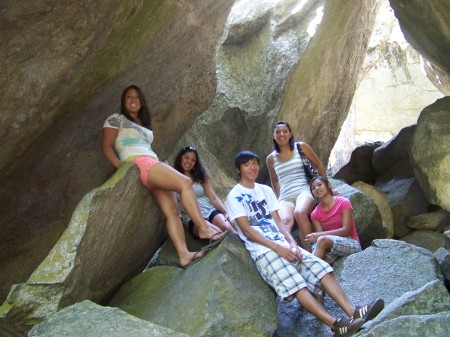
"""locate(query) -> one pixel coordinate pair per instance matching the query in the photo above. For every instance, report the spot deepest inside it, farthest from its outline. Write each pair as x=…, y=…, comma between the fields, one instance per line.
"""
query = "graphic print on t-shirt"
x=259, y=216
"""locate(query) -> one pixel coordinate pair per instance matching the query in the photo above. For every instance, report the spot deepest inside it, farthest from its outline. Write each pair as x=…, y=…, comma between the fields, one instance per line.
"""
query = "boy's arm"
x=293, y=244
x=255, y=236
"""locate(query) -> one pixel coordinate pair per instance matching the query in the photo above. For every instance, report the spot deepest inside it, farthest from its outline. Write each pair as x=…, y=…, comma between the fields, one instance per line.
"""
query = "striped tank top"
x=291, y=176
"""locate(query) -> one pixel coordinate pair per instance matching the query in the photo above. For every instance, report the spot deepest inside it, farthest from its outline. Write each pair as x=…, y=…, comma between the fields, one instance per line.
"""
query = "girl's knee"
x=171, y=212
x=185, y=183
x=324, y=242
x=301, y=216
x=287, y=222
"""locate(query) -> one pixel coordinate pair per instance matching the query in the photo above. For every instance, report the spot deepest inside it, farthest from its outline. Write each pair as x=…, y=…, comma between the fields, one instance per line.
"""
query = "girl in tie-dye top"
x=128, y=137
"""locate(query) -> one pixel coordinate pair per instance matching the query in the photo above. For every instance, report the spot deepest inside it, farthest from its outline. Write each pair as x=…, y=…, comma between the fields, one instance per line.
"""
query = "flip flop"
x=195, y=259
x=213, y=243
x=211, y=239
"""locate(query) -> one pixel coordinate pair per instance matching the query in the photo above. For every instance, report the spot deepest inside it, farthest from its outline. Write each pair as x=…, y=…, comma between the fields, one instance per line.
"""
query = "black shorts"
x=212, y=215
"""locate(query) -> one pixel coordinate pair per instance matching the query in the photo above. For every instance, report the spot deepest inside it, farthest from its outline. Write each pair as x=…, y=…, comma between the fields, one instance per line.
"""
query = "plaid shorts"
x=287, y=278
x=342, y=246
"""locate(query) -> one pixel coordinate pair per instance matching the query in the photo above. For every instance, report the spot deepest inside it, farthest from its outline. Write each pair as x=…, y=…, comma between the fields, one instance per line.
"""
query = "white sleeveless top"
x=205, y=205
x=291, y=176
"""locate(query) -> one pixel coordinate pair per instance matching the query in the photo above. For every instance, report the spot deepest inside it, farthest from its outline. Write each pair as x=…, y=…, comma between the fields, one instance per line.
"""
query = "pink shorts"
x=145, y=163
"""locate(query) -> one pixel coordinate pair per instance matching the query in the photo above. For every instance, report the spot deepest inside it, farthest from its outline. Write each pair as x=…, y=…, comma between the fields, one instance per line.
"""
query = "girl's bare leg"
x=164, y=177
x=304, y=206
x=287, y=217
x=220, y=221
x=324, y=245
x=168, y=204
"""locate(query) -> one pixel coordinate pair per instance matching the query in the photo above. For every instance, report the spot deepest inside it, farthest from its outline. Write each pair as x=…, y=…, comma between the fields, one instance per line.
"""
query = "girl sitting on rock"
x=128, y=136
x=333, y=224
x=212, y=208
x=289, y=181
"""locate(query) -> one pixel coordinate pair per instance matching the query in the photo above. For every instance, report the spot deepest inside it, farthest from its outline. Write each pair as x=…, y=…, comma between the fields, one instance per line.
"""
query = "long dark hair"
x=144, y=112
x=198, y=172
x=291, y=140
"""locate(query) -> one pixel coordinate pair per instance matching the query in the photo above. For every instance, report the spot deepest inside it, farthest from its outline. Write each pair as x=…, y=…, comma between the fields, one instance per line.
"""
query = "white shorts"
x=292, y=201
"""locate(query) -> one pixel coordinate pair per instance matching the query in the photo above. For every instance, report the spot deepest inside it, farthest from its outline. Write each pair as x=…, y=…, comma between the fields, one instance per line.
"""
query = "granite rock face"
x=425, y=26
x=405, y=276
x=215, y=78
x=431, y=153
x=221, y=295
x=94, y=255
x=65, y=66
x=88, y=319
x=313, y=90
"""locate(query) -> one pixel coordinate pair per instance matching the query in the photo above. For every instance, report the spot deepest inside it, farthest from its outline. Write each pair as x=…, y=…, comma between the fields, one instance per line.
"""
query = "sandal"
x=195, y=259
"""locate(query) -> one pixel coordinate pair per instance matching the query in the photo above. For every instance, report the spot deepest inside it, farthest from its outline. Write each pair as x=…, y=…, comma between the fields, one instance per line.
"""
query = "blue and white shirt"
x=257, y=204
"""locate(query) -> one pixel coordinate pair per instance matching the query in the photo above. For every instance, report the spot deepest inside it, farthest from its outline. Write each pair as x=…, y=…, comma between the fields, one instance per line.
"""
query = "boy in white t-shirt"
x=290, y=270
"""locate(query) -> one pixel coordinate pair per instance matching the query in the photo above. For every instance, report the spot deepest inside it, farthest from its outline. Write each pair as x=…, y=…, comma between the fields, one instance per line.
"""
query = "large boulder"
x=430, y=240
x=424, y=312
x=425, y=26
x=316, y=100
x=66, y=71
x=429, y=221
x=216, y=296
x=393, y=151
x=406, y=200
x=360, y=167
x=88, y=319
x=407, y=277
x=431, y=154
x=94, y=255
x=368, y=220
x=381, y=200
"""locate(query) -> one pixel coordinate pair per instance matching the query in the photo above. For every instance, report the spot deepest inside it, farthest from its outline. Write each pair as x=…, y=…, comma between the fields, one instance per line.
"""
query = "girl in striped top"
x=289, y=181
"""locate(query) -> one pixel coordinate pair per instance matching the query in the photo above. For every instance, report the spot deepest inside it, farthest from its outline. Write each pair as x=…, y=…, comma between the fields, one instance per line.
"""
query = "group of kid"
x=263, y=217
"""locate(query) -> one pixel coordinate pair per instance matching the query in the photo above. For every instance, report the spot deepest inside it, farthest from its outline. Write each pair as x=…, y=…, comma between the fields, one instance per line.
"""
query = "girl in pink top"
x=333, y=224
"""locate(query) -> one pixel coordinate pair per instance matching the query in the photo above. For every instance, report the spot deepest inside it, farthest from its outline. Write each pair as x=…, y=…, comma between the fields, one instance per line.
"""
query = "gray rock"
x=88, y=319
x=406, y=200
x=93, y=256
x=431, y=154
x=443, y=257
x=430, y=240
x=412, y=326
x=389, y=269
x=428, y=221
x=432, y=298
x=447, y=239
x=359, y=168
x=221, y=295
x=380, y=198
x=397, y=149
x=400, y=170
x=368, y=220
